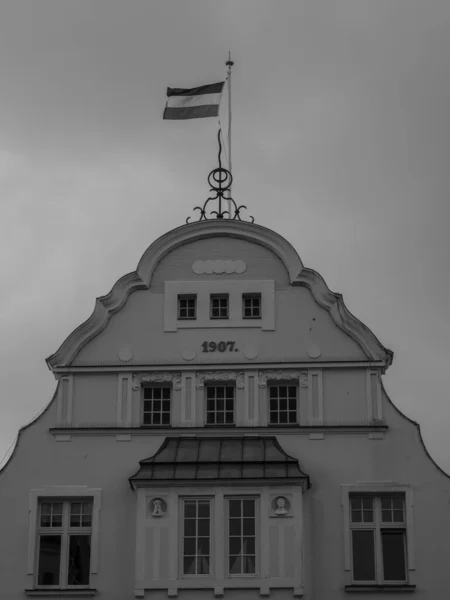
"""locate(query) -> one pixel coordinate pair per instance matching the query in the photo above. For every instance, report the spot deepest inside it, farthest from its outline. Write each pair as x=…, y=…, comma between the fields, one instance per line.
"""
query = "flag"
x=193, y=103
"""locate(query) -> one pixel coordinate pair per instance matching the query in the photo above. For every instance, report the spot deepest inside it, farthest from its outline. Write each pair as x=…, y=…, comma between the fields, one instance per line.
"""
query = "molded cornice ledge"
x=140, y=279
x=343, y=318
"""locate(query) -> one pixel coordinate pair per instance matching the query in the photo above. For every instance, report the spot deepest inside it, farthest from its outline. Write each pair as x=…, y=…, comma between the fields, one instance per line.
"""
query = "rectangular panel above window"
x=173, y=290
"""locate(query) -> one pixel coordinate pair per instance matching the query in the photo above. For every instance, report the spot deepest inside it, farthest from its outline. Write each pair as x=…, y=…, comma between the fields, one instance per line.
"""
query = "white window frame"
x=287, y=383
x=222, y=296
x=256, y=499
x=63, y=494
x=186, y=297
x=376, y=490
x=154, y=386
x=216, y=384
x=251, y=296
x=212, y=541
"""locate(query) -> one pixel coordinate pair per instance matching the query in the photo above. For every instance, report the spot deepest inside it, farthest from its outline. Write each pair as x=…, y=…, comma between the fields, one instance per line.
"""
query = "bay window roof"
x=216, y=460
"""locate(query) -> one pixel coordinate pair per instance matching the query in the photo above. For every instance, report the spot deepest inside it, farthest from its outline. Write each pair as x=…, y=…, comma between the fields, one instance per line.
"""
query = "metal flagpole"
x=229, y=64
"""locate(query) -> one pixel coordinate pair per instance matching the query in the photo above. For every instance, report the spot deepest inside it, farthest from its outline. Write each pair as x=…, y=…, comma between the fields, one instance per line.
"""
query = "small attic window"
x=187, y=307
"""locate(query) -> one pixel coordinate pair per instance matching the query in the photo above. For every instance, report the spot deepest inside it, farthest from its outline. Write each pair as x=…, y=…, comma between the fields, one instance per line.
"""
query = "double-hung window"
x=378, y=539
x=282, y=404
x=220, y=404
x=156, y=408
x=64, y=531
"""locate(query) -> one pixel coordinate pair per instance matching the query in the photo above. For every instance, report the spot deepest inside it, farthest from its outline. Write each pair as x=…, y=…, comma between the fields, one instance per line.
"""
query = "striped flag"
x=193, y=103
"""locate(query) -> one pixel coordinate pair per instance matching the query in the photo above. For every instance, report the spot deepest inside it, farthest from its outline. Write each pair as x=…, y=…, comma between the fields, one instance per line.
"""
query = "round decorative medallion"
x=280, y=506
x=125, y=354
x=251, y=352
x=188, y=354
x=158, y=507
x=314, y=351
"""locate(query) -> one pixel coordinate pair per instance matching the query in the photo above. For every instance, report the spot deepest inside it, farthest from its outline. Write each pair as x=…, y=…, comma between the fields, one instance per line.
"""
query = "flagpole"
x=229, y=64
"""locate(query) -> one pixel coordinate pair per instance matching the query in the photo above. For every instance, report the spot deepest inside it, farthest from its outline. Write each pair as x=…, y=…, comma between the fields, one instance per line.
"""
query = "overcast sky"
x=341, y=143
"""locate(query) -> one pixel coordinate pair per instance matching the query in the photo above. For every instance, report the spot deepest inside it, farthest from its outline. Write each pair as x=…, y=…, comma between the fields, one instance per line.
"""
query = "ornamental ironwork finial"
x=220, y=180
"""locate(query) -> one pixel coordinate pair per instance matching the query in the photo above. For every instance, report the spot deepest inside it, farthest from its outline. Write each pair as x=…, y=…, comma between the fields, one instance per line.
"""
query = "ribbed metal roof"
x=215, y=459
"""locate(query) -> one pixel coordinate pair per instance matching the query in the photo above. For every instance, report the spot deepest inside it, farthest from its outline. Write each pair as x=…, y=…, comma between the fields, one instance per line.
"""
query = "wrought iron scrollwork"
x=220, y=180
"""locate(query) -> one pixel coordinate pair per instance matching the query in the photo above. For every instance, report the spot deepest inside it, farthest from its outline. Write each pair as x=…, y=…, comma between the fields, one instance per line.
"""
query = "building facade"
x=220, y=429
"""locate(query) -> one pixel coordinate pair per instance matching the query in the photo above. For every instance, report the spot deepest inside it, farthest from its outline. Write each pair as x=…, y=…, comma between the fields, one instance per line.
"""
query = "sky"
x=340, y=143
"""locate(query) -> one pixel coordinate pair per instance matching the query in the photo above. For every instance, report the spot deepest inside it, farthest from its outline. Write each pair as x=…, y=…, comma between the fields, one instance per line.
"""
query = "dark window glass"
x=187, y=307
x=49, y=559
x=363, y=555
x=251, y=306
x=156, y=406
x=219, y=306
x=79, y=559
x=394, y=563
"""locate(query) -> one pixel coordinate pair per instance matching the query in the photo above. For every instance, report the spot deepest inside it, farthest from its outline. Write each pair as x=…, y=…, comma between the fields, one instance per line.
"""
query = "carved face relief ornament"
x=158, y=507
x=280, y=506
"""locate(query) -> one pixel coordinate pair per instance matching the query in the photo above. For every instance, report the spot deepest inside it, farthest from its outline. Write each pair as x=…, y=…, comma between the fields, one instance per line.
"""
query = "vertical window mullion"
x=65, y=544
x=378, y=541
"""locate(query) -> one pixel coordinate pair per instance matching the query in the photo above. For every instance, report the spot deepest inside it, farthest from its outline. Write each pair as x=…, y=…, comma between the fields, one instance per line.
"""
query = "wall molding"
x=157, y=377
x=219, y=376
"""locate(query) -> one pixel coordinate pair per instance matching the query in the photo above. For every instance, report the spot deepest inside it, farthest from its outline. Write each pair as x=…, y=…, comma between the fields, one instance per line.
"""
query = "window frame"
x=278, y=384
x=257, y=519
x=64, y=494
x=251, y=295
x=161, y=385
x=187, y=297
x=216, y=384
x=382, y=489
x=212, y=541
x=217, y=297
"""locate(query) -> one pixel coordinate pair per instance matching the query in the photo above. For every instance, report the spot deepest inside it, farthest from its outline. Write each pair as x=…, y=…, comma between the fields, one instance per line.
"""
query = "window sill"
x=61, y=593
x=399, y=588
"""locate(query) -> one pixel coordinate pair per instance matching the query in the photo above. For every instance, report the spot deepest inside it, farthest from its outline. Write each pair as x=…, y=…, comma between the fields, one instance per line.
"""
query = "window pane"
x=249, y=545
x=190, y=509
x=235, y=527
x=394, y=563
x=235, y=565
x=203, y=527
x=249, y=526
x=189, y=565
x=203, y=546
x=189, y=546
x=202, y=565
x=235, y=545
x=248, y=508
x=235, y=508
x=203, y=509
x=249, y=564
x=49, y=559
x=189, y=527
x=79, y=560
x=363, y=555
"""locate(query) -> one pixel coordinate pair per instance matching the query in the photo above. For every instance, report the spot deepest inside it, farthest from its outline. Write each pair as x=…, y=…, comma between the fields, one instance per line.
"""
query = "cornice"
x=334, y=304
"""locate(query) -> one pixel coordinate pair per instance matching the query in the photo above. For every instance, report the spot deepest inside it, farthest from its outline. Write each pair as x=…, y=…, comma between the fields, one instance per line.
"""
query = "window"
x=156, y=408
x=282, y=404
x=378, y=538
x=251, y=306
x=219, y=405
x=64, y=532
x=242, y=536
x=219, y=306
x=196, y=536
x=187, y=307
